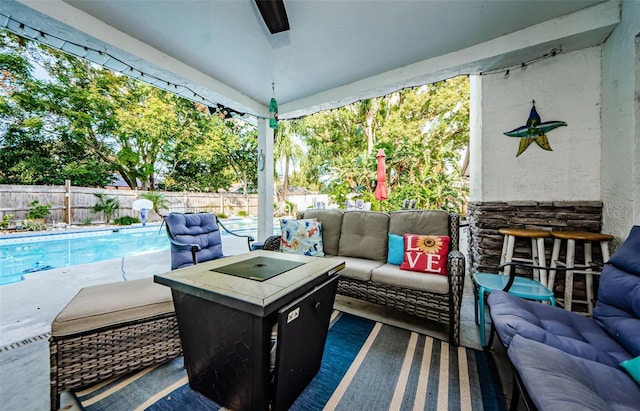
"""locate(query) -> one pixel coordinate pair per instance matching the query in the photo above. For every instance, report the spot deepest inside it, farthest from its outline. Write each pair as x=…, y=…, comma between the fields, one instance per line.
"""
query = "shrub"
x=37, y=210
x=159, y=200
x=107, y=204
x=126, y=220
x=243, y=213
x=32, y=225
x=5, y=220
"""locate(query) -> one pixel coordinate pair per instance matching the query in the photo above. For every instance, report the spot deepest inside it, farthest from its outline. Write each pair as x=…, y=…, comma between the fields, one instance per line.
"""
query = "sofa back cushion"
x=364, y=235
x=331, y=221
x=424, y=222
x=618, y=306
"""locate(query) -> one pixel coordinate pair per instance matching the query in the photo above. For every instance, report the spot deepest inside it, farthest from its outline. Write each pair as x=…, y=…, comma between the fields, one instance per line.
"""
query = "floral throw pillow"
x=425, y=253
x=301, y=237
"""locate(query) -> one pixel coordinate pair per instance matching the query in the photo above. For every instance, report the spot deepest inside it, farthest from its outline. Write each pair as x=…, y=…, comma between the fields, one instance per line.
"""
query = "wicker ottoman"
x=109, y=330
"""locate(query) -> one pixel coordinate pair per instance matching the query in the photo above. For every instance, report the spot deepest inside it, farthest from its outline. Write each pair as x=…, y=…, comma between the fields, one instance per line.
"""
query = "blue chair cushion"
x=627, y=257
x=565, y=330
x=618, y=307
x=556, y=380
x=201, y=229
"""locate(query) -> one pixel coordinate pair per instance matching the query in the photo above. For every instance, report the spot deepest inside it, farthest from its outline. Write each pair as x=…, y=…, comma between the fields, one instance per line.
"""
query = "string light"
x=128, y=70
x=214, y=108
x=523, y=66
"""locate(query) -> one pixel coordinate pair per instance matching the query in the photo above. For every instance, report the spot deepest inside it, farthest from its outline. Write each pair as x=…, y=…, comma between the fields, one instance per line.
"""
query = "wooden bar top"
x=524, y=232
x=581, y=235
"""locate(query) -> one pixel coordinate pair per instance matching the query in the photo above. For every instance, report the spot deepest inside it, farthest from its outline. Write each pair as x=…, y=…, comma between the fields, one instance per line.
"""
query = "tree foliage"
x=63, y=118
x=424, y=132
x=86, y=123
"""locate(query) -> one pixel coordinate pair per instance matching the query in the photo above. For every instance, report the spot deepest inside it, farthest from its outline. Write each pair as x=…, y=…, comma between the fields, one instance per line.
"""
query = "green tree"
x=85, y=123
x=424, y=132
x=222, y=153
x=287, y=150
x=36, y=147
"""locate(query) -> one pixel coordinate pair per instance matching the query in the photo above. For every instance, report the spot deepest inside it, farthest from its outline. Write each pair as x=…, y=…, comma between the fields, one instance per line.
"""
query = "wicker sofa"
x=360, y=238
x=109, y=330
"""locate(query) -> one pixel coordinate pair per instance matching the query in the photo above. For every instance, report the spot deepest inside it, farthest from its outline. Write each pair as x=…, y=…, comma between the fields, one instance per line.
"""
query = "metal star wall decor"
x=534, y=130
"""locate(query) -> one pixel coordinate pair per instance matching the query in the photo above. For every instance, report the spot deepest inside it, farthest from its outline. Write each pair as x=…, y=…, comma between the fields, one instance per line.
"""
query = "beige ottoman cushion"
x=106, y=305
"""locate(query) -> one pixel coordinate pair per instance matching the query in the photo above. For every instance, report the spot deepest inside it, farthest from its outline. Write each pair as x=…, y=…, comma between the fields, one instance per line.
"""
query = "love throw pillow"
x=425, y=253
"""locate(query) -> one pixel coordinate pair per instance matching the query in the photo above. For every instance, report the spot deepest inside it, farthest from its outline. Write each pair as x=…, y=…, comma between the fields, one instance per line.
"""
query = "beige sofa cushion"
x=357, y=268
x=110, y=304
x=364, y=235
x=393, y=275
x=331, y=221
x=424, y=222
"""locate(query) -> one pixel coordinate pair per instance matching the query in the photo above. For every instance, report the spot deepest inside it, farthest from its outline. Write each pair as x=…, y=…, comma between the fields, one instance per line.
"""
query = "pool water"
x=20, y=256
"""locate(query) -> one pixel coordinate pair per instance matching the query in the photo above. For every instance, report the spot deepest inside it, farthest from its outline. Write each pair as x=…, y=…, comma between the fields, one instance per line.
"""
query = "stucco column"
x=265, y=180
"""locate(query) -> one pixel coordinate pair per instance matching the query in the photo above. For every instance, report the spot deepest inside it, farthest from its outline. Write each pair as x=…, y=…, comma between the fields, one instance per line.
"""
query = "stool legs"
x=604, y=248
x=540, y=259
x=568, y=279
x=588, y=260
x=507, y=252
x=554, y=263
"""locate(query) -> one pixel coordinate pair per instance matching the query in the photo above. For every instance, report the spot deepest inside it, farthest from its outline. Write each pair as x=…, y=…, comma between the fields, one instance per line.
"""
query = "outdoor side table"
x=522, y=287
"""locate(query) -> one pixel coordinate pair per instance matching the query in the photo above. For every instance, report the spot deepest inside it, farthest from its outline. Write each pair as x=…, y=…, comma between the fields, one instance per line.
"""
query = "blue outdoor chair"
x=196, y=238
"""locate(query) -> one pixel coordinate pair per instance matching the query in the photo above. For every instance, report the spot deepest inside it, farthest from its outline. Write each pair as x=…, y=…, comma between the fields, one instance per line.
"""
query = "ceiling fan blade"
x=274, y=15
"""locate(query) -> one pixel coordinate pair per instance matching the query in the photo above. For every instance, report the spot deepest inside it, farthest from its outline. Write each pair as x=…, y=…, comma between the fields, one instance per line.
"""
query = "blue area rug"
x=366, y=366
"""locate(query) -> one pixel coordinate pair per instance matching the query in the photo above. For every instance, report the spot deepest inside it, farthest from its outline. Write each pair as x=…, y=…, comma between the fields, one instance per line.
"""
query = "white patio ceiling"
x=336, y=52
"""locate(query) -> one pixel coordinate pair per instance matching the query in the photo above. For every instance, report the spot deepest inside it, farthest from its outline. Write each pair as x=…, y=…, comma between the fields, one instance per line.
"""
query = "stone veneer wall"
x=485, y=218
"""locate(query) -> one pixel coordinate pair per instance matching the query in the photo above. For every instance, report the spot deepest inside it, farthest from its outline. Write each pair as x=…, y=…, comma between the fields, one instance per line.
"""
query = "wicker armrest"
x=456, y=267
x=272, y=243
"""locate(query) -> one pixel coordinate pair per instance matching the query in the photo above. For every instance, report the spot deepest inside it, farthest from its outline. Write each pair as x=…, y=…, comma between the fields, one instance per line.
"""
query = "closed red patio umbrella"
x=381, y=188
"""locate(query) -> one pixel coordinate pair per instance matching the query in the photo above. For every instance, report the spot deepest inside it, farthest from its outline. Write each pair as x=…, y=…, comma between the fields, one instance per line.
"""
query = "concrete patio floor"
x=27, y=309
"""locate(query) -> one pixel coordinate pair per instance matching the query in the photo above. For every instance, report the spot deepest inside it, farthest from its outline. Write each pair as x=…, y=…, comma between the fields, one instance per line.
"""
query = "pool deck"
x=27, y=309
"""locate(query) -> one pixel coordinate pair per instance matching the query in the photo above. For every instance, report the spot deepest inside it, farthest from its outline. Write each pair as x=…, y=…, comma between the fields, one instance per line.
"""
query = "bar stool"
x=587, y=268
x=538, y=257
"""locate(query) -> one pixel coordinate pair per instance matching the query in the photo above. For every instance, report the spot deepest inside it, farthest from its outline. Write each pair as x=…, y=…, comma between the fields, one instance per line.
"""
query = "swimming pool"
x=21, y=255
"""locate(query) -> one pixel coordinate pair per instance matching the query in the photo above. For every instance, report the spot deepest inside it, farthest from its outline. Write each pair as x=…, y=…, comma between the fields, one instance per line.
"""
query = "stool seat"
x=522, y=287
x=581, y=236
x=524, y=232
